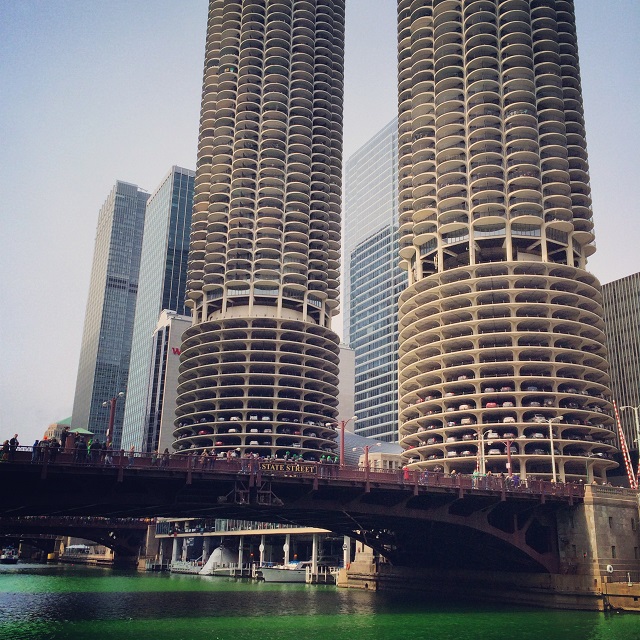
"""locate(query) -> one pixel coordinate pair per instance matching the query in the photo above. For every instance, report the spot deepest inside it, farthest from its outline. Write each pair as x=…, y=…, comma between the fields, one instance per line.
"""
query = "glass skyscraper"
x=373, y=281
x=103, y=369
x=162, y=285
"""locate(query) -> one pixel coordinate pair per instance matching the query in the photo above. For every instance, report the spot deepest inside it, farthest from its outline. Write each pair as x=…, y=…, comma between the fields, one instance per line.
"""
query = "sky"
x=92, y=92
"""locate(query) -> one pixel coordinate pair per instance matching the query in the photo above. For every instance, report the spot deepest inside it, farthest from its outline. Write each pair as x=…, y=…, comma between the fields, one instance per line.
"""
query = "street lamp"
x=112, y=414
x=550, y=421
x=365, y=450
x=343, y=424
x=481, y=462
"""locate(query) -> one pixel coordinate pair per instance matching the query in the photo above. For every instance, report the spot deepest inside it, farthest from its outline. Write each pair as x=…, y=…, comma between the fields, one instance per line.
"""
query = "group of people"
x=92, y=451
x=42, y=447
x=9, y=448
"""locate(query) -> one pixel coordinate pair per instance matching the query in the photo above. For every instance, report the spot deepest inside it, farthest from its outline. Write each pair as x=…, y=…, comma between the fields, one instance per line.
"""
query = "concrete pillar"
x=206, y=545
x=185, y=548
x=314, y=554
x=261, y=548
x=161, y=552
x=286, y=547
x=240, y=554
x=174, y=551
x=152, y=544
x=346, y=551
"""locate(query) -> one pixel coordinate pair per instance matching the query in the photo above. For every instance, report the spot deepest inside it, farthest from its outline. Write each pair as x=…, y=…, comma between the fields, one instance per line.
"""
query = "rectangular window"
x=610, y=523
x=613, y=552
x=634, y=524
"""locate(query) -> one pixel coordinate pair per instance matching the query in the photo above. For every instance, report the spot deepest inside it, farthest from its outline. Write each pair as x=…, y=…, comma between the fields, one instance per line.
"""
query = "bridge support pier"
x=124, y=561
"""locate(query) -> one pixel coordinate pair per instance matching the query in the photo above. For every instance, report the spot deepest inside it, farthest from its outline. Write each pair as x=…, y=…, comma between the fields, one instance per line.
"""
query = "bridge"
x=124, y=535
x=412, y=518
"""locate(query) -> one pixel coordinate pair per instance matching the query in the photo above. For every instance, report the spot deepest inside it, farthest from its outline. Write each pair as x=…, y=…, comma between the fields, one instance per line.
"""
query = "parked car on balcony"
x=508, y=419
x=494, y=452
x=467, y=421
x=491, y=405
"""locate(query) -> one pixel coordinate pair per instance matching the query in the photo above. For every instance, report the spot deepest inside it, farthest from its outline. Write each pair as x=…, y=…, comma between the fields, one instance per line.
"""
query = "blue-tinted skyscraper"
x=106, y=341
x=373, y=281
x=163, y=271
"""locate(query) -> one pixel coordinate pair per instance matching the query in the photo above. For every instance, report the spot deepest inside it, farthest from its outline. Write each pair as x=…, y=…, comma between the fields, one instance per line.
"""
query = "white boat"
x=9, y=556
x=294, y=572
x=221, y=562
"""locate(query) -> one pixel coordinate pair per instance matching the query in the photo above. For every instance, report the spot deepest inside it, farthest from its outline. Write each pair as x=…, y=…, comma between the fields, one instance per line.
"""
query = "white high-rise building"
x=259, y=366
x=500, y=329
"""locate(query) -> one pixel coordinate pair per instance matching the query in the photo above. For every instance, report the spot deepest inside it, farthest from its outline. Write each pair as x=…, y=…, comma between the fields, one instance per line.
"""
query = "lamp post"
x=343, y=424
x=481, y=461
x=112, y=414
x=365, y=450
x=550, y=421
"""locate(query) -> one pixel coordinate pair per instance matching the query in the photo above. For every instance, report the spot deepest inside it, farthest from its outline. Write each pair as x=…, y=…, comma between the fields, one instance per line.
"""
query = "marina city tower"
x=502, y=357
x=259, y=366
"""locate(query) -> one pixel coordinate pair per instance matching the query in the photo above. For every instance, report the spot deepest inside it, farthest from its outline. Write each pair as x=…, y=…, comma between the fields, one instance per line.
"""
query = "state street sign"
x=287, y=467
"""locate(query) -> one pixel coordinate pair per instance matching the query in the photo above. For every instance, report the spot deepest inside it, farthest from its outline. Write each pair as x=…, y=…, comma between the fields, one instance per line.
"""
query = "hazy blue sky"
x=95, y=91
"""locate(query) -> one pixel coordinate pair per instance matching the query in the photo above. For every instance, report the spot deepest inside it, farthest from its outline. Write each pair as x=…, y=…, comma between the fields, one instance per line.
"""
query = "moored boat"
x=9, y=555
x=295, y=572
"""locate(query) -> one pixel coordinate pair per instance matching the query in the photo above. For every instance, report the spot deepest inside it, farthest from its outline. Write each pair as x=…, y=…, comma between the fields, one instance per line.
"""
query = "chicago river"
x=62, y=602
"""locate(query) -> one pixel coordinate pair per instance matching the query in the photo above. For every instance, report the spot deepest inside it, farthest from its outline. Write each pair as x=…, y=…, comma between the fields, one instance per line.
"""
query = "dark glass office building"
x=163, y=274
x=106, y=341
x=621, y=301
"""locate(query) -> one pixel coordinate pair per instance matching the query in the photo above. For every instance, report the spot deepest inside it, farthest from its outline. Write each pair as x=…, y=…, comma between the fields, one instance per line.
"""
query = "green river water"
x=78, y=603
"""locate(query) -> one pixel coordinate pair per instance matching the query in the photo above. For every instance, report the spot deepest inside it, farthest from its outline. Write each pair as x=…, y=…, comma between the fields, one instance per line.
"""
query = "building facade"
x=500, y=329
x=103, y=369
x=260, y=364
x=373, y=281
x=162, y=285
x=160, y=409
x=622, y=327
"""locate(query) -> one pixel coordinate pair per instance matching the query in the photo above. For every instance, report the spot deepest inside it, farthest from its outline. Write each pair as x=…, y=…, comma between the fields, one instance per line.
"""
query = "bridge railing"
x=301, y=469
